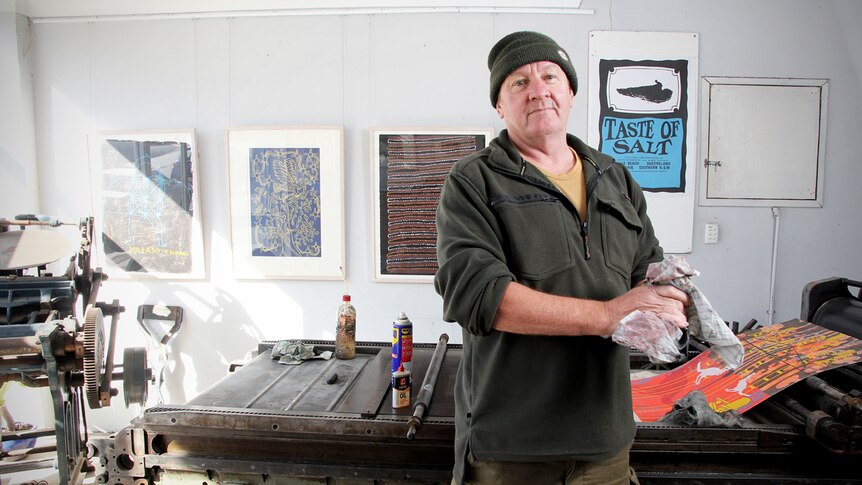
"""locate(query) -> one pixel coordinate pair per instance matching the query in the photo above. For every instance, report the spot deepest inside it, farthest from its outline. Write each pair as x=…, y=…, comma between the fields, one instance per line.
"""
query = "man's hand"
x=527, y=311
x=664, y=300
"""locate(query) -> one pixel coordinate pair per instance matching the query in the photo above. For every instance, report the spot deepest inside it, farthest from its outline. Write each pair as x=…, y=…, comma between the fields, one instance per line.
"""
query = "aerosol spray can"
x=400, y=388
x=402, y=343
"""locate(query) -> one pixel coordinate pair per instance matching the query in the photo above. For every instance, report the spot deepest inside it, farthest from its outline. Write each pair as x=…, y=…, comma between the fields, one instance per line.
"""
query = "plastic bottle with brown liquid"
x=345, y=330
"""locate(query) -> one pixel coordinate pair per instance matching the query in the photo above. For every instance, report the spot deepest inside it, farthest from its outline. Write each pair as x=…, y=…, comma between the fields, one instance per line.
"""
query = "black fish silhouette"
x=652, y=93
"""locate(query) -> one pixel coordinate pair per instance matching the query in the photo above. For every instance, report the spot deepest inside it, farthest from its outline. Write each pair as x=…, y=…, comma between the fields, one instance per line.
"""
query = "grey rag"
x=294, y=352
x=659, y=341
x=693, y=410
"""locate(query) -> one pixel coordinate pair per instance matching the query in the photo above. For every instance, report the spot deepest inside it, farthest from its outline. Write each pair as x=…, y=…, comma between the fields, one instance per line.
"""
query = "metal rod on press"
x=423, y=399
x=35, y=220
x=836, y=397
x=820, y=426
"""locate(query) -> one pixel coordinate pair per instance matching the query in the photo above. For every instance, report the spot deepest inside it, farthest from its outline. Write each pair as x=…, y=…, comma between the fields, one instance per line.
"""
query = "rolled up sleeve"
x=472, y=272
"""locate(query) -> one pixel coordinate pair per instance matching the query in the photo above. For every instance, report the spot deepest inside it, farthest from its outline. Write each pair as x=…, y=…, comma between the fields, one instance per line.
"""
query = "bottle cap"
x=345, y=298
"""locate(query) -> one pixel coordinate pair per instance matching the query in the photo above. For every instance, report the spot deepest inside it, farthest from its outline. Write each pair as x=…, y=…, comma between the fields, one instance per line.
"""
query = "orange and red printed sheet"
x=776, y=357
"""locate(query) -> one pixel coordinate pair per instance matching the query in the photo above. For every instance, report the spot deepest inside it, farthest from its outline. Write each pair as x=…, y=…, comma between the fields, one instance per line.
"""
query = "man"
x=542, y=244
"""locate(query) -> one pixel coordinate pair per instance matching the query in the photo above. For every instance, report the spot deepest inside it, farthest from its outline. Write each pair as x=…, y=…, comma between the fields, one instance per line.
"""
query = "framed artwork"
x=147, y=206
x=286, y=202
x=409, y=166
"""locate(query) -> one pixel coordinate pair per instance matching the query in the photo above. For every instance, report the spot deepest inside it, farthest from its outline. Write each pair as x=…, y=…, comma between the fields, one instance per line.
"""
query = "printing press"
x=45, y=341
x=331, y=421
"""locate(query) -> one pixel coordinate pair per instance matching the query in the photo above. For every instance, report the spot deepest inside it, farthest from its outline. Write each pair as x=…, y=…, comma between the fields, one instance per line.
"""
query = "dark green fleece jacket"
x=538, y=398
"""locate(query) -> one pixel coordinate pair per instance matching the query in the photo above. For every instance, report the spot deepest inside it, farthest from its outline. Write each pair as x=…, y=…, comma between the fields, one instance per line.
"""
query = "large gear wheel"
x=94, y=355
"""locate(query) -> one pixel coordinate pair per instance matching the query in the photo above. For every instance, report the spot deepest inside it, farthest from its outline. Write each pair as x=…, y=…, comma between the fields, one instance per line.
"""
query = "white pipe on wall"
x=776, y=220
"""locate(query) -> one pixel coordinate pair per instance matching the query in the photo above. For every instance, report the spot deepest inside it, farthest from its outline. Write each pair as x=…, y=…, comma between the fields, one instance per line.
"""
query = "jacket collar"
x=505, y=157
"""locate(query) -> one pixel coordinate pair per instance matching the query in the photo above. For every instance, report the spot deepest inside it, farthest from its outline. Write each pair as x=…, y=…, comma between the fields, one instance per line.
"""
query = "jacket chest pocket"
x=621, y=230
x=540, y=233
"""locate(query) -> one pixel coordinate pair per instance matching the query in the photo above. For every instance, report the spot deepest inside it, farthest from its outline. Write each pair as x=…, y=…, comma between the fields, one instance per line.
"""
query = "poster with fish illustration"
x=643, y=120
x=643, y=113
x=776, y=357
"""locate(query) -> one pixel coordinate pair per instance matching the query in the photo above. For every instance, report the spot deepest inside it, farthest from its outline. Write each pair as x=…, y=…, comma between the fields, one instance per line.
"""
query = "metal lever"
x=423, y=399
x=168, y=313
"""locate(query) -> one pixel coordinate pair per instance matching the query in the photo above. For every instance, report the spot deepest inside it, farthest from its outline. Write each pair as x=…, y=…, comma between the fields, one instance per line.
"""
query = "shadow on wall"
x=214, y=333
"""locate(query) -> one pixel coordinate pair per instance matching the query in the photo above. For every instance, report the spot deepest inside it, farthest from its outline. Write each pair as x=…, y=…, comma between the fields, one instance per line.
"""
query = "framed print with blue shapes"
x=286, y=202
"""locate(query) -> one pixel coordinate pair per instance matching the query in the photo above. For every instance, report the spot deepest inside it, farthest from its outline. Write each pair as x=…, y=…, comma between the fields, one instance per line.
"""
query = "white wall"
x=361, y=71
x=17, y=131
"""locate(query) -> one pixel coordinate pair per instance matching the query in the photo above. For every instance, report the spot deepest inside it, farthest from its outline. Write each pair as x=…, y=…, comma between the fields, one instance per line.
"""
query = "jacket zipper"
x=591, y=187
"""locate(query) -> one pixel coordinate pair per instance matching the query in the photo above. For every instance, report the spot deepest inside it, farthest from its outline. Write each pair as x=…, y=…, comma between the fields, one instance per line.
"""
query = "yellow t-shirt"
x=573, y=185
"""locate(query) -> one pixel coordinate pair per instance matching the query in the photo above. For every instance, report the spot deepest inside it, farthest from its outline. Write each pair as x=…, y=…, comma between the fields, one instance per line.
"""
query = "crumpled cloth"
x=693, y=410
x=294, y=352
x=703, y=321
x=652, y=335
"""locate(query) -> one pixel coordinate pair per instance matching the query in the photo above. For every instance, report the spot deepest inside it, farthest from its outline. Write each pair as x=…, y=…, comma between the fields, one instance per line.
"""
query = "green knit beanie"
x=520, y=48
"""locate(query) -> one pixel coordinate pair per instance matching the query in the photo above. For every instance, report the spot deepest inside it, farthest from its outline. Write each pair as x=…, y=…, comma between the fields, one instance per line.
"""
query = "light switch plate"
x=710, y=234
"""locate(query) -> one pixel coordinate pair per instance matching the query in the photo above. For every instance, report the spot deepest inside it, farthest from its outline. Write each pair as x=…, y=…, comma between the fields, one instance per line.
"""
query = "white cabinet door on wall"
x=763, y=142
